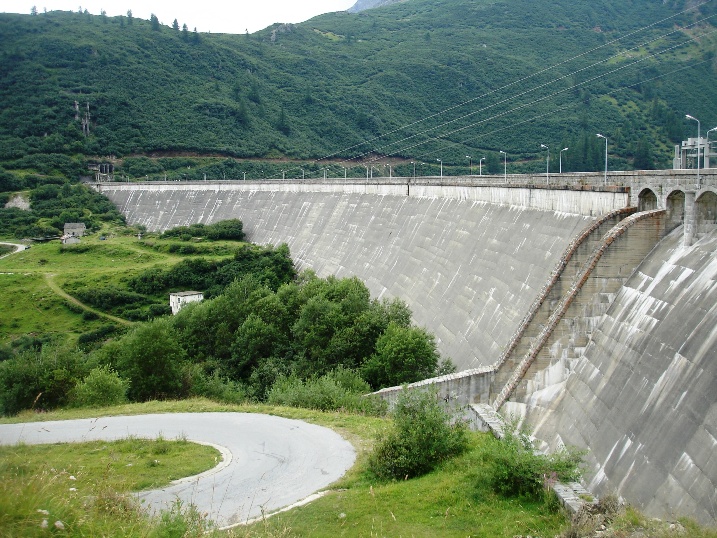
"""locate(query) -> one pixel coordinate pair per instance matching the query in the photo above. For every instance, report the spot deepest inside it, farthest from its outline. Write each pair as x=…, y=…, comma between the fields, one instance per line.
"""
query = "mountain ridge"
x=424, y=80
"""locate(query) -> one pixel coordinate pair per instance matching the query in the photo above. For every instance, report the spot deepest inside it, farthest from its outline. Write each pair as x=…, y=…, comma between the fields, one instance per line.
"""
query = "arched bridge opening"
x=706, y=213
x=646, y=200
x=675, y=206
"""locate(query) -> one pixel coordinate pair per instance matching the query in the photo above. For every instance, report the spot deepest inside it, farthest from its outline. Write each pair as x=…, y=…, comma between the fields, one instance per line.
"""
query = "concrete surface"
x=642, y=396
x=468, y=270
x=270, y=462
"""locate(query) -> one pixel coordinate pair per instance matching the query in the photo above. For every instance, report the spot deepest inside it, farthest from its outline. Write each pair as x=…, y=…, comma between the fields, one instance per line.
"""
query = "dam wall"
x=467, y=268
x=642, y=396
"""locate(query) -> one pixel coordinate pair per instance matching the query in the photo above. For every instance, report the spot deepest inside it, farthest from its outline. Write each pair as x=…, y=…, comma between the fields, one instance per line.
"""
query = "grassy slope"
x=453, y=501
x=81, y=484
x=29, y=281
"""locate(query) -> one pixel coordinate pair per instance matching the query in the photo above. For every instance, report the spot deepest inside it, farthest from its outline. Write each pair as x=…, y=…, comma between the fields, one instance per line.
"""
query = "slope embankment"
x=642, y=396
x=468, y=269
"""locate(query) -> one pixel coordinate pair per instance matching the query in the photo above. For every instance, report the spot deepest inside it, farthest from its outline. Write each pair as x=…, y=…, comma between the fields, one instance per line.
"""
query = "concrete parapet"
x=458, y=389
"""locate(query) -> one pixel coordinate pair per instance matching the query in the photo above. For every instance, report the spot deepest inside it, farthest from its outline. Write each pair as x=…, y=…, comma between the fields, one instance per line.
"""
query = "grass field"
x=452, y=501
x=32, y=282
x=83, y=485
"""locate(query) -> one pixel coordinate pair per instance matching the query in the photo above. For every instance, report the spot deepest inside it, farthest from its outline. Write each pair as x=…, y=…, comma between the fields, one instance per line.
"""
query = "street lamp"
x=605, y=137
x=480, y=165
x=547, y=164
x=561, y=159
x=707, y=144
x=505, y=166
x=440, y=161
x=470, y=165
x=414, y=168
x=698, y=146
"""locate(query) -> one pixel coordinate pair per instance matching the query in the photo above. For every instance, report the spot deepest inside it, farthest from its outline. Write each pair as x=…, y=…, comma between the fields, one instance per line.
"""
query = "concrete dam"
x=586, y=307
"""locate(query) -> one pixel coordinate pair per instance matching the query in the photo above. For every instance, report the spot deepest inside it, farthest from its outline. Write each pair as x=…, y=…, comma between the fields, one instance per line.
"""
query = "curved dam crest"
x=467, y=268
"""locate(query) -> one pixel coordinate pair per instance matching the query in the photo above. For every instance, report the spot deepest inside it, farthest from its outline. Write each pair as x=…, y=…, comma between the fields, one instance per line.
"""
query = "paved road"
x=270, y=462
x=18, y=248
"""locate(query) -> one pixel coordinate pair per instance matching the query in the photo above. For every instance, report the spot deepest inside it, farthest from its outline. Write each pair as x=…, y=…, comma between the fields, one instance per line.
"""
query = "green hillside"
x=362, y=88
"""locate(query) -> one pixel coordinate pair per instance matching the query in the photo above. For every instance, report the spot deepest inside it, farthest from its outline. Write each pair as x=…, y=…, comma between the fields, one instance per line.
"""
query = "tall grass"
x=82, y=489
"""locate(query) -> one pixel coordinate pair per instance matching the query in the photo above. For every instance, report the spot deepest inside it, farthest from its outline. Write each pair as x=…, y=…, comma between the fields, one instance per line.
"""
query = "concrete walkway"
x=268, y=462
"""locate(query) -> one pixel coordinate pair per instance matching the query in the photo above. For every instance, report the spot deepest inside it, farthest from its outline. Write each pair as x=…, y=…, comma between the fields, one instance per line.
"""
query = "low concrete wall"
x=468, y=270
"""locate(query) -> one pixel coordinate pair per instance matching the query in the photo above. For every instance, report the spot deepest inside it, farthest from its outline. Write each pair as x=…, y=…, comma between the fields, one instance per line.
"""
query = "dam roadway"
x=473, y=256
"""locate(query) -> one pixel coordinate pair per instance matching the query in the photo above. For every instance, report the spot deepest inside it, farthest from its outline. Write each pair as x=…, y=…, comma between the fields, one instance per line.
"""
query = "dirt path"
x=49, y=278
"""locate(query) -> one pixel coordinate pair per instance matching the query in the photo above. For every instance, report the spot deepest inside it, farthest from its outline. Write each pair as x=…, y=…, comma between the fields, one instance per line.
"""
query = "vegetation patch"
x=85, y=486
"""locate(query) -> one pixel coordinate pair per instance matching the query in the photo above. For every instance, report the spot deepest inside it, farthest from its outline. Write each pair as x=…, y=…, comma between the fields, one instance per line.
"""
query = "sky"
x=216, y=16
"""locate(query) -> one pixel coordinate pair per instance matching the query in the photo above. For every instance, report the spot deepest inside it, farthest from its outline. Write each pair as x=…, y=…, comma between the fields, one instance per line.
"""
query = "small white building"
x=75, y=229
x=182, y=298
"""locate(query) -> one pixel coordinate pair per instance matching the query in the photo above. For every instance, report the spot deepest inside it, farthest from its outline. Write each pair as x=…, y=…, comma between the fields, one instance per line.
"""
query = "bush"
x=338, y=389
x=423, y=435
x=151, y=357
x=214, y=386
x=39, y=379
x=518, y=470
x=403, y=355
x=102, y=387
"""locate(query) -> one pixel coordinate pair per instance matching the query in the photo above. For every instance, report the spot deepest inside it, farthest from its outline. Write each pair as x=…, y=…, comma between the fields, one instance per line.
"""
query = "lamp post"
x=470, y=165
x=605, y=137
x=480, y=165
x=707, y=144
x=440, y=161
x=547, y=164
x=414, y=168
x=505, y=166
x=561, y=159
x=698, y=147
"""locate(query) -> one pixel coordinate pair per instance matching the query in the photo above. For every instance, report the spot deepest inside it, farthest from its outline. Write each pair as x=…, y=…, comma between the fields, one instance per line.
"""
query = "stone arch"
x=675, y=206
x=646, y=200
x=706, y=213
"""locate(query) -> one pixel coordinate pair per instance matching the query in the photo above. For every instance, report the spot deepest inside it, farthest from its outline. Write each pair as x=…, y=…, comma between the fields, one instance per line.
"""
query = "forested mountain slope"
x=367, y=85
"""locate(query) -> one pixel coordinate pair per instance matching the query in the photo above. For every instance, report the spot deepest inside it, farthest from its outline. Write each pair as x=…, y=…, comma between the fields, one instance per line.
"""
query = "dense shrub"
x=231, y=229
x=422, y=436
x=518, y=470
x=100, y=388
x=99, y=334
x=40, y=379
x=403, y=355
x=151, y=358
x=213, y=385
x=107, y=297
x=338, y=389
